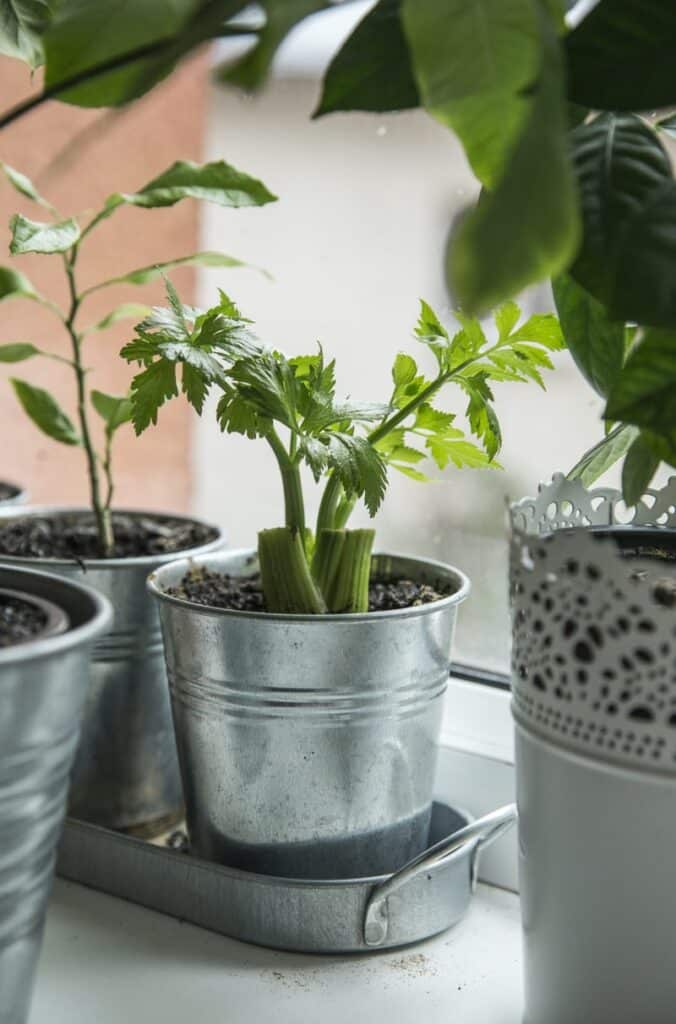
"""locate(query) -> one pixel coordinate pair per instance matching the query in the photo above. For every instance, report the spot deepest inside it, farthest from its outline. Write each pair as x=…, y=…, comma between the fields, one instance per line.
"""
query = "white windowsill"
x=106, y=961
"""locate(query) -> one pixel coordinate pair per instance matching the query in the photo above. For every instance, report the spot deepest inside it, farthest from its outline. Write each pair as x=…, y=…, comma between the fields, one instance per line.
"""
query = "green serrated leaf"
x=506, y=317
x=35, y=236
x=194, y=387
x=45, y=412
x=429, y=327
x=404, y=370
x=542, y=328
x=462, y=453
x=150, y=389
x=17, y=351
x=433, y=420
x=360, y=467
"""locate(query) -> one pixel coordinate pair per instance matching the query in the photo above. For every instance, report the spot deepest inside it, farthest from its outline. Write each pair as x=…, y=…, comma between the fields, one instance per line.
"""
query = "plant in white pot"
x=126, y=774
x=307, y=678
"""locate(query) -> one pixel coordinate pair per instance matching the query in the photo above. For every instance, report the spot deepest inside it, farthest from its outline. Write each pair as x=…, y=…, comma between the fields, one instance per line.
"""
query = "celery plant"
x=291, y=404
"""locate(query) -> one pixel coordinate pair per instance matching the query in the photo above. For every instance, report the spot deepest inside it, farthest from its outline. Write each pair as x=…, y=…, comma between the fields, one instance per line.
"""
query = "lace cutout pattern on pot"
x=594, y=632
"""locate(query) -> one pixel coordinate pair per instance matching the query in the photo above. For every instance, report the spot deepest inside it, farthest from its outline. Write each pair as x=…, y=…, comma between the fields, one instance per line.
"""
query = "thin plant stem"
x=101, y=510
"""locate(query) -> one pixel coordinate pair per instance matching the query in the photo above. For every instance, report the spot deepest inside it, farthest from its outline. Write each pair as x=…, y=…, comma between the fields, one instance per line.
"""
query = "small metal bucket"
x=308, y=744
x=43, y=685
x=126, y=773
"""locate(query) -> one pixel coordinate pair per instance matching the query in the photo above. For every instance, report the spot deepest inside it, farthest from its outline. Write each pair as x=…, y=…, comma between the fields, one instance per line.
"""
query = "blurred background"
x=357, y=237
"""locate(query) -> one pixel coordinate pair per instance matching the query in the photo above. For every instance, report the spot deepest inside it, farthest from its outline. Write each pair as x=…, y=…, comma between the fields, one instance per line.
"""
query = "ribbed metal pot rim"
x=463, y=589
x=44, y=647
x=140, y=561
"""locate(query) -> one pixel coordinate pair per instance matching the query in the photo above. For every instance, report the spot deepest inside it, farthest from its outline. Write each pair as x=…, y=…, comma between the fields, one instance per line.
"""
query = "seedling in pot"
x=351, y=446
x=216, y=182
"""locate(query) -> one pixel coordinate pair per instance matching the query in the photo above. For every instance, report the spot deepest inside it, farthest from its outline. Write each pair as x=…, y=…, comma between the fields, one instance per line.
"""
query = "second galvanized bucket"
x=126, y=773
x=308, y=744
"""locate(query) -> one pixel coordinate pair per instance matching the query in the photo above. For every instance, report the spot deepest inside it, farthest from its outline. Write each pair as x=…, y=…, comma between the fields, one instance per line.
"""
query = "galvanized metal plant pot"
x=126, y=773
x=43, y=686
x=308, y=744
x=595, y=710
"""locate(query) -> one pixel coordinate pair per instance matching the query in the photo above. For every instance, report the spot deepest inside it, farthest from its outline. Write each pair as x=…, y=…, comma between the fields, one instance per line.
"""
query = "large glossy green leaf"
x=474, y=61
x=628, y=200
x=14, y=285
x=622, y=56
x=372, y=70
x=117, y=51
x=638, y=470
x=251, y=70
x=216, y=182
x=43, y=237
x=22, y=23
x=45, y=412
x=645, y=392
x=596, y=343
x=527, y=227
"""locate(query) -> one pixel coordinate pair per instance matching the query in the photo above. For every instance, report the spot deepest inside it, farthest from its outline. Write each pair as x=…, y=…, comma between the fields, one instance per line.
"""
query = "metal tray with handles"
x=426, y=896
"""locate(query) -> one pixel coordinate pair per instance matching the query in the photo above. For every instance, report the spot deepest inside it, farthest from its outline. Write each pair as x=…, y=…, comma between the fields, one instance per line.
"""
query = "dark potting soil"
x=19, y=620
x=73, y=535
x=244, y=594
x=7, y=491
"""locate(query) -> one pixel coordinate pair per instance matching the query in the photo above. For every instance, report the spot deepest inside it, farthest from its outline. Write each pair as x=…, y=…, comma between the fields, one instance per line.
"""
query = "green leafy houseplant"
x=215, y=182
x=620, y=333
x=508, y=77
x=291, y=403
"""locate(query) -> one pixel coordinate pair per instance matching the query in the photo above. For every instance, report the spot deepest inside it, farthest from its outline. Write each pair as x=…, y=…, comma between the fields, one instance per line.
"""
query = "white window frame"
x=476, y=765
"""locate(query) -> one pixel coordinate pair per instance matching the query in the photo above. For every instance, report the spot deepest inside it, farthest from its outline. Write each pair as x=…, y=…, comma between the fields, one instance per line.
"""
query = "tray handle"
x=483, y=831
